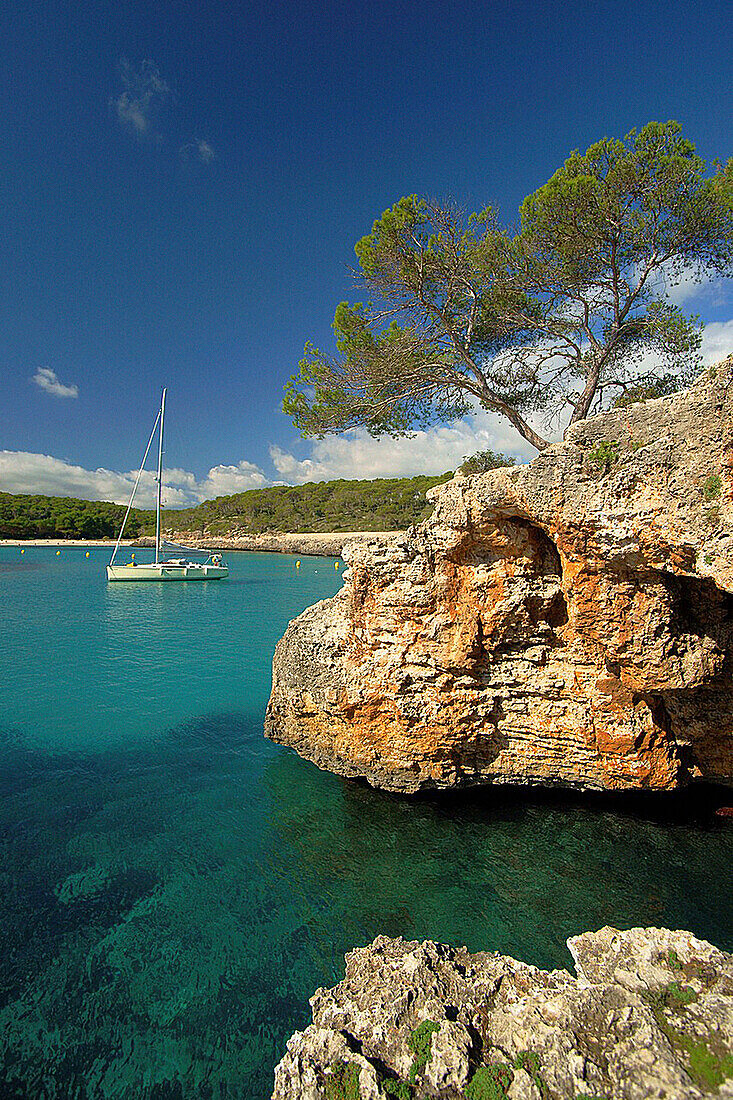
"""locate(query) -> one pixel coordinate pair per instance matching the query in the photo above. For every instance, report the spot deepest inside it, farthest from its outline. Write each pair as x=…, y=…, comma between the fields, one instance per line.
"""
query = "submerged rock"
x=568, y=622
x=650, y=1014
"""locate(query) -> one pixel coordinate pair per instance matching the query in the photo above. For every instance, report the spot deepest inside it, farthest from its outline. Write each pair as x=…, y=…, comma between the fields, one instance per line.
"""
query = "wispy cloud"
x=141, y=105
x=25, y=472
x=198, y=149
x=144, y=95
x=47, y=380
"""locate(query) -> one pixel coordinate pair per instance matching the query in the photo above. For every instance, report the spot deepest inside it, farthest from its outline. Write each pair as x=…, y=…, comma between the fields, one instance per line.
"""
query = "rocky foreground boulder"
x=649, y=1015
x=568, y=622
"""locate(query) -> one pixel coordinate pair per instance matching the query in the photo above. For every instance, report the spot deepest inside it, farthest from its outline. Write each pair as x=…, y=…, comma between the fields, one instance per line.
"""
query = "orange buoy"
x=23, y=551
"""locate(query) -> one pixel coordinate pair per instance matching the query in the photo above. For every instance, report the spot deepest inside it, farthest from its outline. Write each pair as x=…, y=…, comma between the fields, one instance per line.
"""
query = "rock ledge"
x=649, y=1015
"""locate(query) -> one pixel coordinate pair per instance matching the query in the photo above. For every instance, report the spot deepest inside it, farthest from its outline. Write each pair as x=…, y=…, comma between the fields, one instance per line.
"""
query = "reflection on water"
x=170, y=900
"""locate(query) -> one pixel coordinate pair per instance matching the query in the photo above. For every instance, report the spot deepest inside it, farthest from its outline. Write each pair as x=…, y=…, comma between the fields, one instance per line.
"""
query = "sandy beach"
x=64, y=542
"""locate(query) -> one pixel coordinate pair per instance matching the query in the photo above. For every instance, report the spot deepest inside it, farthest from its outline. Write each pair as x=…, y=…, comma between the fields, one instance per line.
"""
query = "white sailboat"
x=172, y=569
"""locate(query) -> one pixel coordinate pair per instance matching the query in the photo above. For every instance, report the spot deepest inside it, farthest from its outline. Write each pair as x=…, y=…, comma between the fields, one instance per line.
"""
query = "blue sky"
x=183, y=184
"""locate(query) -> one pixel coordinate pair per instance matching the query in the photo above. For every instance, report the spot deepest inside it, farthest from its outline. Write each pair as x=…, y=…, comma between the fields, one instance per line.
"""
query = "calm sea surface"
x=173, y=887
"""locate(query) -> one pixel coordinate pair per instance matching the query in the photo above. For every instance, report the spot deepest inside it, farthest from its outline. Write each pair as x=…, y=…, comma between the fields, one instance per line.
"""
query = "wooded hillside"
x=386, y=504
x=41, y=517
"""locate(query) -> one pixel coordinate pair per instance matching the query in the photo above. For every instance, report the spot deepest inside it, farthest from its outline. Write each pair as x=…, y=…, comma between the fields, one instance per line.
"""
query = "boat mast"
x=134, y=489
x=160, y=480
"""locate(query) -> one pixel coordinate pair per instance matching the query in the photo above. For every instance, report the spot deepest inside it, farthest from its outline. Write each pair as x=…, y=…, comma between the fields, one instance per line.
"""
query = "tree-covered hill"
x=41, y=517
x=386, y=504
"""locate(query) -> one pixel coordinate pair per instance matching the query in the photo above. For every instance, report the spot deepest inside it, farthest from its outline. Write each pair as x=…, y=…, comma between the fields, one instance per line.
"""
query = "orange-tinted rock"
x=556, y=623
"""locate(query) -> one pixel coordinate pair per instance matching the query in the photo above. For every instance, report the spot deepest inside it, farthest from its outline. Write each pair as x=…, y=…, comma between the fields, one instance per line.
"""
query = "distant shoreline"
x=65, y=542
x=310, y=543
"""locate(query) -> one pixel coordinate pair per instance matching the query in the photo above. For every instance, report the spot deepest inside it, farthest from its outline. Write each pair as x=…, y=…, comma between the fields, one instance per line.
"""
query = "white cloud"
x=47, y=380
x=25, y=472
x=198, y=149
x=353, y=455
x=692, y=286
x=145, y=93
x=717, y=341
x=357, y=455
x=222, y=480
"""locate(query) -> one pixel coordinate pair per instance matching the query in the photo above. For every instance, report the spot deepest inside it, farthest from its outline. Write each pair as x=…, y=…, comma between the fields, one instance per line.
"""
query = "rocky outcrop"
x=649, y=1015
x=566, y=622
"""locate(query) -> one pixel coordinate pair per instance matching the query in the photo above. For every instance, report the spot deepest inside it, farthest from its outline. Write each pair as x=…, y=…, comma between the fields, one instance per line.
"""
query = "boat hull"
x=164, y=572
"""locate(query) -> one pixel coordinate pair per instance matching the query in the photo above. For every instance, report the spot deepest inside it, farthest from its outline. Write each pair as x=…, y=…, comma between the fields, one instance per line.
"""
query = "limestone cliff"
x=565, y=622
x=650, y=1014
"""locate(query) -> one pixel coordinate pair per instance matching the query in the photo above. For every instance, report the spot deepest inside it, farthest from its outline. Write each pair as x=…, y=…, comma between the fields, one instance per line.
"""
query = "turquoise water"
x=173, y=887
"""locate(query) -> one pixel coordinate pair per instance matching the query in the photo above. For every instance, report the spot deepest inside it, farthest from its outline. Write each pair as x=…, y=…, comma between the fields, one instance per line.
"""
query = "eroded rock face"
x=567, y=622
x=649, y=1015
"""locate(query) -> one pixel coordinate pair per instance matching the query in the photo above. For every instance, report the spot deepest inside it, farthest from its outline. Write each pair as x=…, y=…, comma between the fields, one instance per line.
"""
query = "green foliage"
x=400, y=1090
x=646, y=195
x=709, y=1063
x=42, y=517
x=530, y=1063
x=490, y=1082
x=676, y=996
x=483, y=461
x=342, y=1082
x=647, y=391
x=461, y=312
x=396, y=367
x=527, y=1060
x=385, y=504
x=673, y=959
x=712, y=487
x=419, y=1042
x=708, y=1069
x=604, y=454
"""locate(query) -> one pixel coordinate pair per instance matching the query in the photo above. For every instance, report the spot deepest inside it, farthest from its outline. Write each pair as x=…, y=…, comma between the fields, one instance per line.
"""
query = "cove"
x=174, y=886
